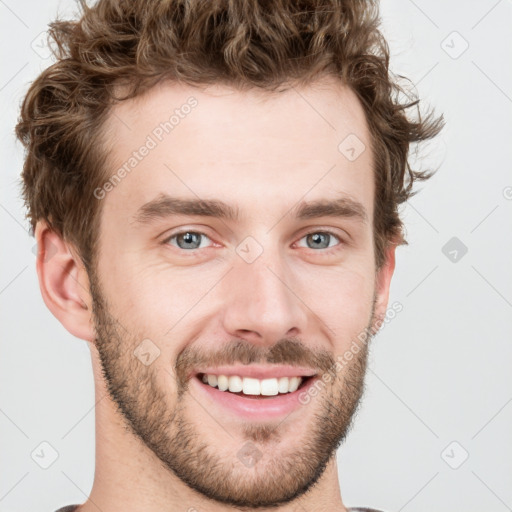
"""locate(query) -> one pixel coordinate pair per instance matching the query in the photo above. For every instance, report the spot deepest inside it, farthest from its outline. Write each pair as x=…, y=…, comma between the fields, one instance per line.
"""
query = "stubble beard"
x=279, y=476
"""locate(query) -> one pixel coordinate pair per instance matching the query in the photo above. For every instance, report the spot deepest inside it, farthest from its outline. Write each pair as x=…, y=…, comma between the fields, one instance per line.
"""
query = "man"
x=214, y=189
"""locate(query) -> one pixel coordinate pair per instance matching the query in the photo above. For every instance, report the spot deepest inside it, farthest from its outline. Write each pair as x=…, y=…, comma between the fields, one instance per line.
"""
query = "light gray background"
x=439, y=386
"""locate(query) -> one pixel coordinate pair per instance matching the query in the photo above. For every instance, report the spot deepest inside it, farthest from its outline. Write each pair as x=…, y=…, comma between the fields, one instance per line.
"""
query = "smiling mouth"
x=250, y=387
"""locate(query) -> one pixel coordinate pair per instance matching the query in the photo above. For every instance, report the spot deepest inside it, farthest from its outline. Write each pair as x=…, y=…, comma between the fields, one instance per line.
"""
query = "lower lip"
x=254, y=408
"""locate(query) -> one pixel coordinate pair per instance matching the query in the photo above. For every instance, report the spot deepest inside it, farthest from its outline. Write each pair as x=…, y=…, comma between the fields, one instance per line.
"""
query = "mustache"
x=289, y=351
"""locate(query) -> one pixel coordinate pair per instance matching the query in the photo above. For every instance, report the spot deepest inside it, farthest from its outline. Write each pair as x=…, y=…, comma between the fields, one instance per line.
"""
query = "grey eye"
x=187, y=240
x=319, y=240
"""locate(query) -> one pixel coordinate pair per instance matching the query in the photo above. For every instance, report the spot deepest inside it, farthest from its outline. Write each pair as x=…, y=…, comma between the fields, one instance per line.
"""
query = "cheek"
x=342, y=298
x=132, y=300
x=158, y=302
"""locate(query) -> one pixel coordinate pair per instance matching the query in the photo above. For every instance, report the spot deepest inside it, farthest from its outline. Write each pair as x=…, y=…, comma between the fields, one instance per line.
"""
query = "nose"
x=261, y=305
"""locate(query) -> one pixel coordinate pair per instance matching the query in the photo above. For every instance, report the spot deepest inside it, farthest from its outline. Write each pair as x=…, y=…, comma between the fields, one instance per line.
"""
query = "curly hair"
x=131, y=45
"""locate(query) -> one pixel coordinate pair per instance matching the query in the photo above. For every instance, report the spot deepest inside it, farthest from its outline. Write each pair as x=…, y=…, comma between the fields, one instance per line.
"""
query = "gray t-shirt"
x=72, y=508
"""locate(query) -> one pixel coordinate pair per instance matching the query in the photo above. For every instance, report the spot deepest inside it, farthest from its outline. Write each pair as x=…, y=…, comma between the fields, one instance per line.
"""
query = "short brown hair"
x=241, y=43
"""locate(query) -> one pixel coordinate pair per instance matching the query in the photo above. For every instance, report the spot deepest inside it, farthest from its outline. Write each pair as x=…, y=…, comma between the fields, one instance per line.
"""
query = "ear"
x=382, y=284
x=64, y=283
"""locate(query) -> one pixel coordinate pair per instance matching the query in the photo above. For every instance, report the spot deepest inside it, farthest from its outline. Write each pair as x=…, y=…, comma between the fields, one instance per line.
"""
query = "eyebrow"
x=165, y=206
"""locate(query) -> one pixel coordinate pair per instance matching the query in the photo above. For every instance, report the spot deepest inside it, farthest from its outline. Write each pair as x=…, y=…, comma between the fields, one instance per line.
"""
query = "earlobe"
x=64, y=283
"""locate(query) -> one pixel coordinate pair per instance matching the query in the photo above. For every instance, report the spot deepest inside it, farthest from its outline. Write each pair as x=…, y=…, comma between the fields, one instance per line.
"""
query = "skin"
x=264, y=154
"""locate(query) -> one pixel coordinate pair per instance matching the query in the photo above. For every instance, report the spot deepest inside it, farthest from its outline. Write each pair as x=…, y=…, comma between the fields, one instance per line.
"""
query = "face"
x=235, y=274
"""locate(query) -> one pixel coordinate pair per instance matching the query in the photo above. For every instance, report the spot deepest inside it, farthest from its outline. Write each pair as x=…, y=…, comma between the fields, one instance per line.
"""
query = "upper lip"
x=258, y=371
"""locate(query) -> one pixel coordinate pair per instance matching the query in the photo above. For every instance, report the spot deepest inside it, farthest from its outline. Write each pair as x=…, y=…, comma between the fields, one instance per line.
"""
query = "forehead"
x=261, y=152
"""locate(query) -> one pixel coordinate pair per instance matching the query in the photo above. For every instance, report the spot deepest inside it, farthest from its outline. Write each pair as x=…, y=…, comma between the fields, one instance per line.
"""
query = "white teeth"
x=282, y=385
x=293, y=386
x=269, y=387
x=235, y=384
x=251, y=386
x=222, y=382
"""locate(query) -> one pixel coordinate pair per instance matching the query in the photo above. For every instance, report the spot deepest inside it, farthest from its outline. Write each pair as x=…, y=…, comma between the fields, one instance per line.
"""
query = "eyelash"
x=327, y=250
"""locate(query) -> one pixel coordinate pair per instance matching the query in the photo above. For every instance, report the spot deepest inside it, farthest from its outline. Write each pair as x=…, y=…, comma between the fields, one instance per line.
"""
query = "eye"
x=320, y=239
x=190, y=240
x=187, y=240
